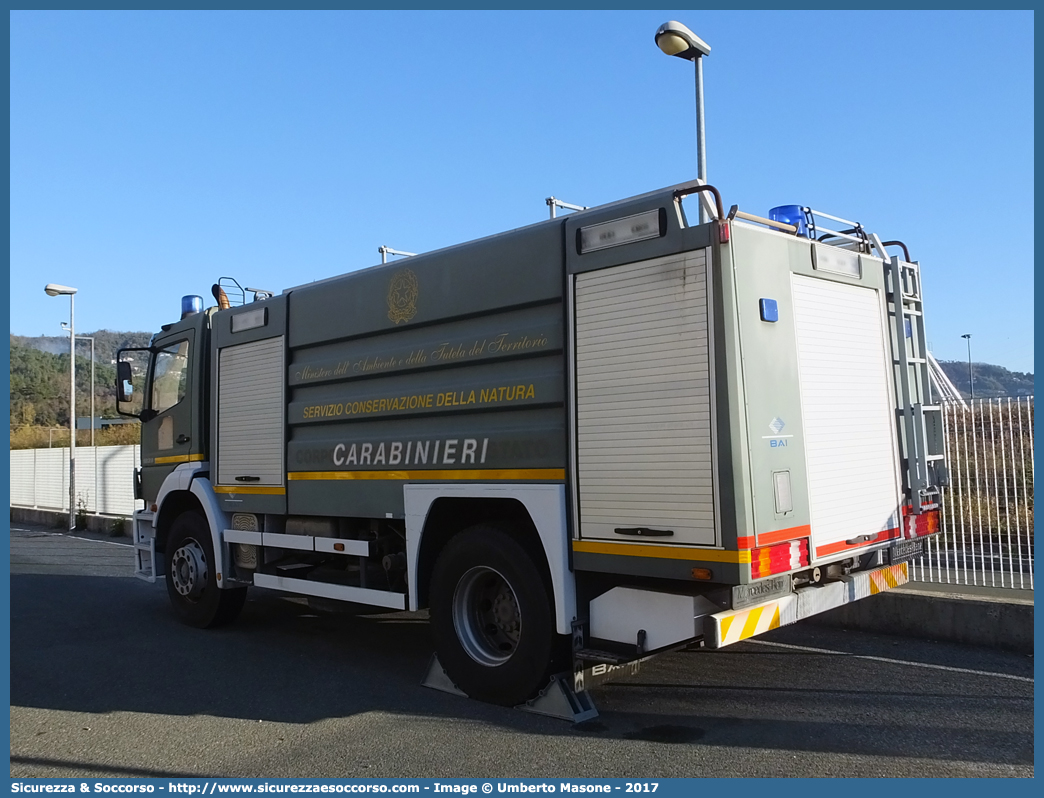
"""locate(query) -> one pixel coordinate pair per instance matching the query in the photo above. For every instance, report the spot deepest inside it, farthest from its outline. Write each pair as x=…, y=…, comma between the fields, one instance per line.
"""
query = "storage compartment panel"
x=643, y=402
x=251, y=414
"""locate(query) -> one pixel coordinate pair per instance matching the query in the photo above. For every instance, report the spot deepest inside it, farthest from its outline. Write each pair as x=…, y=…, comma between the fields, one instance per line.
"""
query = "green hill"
x=990, y=381
x=106, y=343
x=40, y=377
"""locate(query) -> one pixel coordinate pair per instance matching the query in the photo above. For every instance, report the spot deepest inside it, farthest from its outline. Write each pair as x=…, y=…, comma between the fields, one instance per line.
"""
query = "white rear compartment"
x=847, y=413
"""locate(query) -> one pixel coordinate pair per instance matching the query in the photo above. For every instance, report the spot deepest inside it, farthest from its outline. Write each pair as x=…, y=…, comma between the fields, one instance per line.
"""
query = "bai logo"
x=776, y=440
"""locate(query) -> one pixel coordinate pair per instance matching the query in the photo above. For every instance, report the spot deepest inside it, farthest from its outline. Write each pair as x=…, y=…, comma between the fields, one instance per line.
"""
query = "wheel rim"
x=188, y=569
x=486, y=616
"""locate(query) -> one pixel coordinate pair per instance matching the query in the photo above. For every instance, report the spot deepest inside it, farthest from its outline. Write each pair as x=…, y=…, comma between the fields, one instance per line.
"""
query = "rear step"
x=144, y=545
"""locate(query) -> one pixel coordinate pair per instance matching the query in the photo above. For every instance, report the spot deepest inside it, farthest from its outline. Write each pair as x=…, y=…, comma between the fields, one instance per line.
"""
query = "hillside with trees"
x=990, y=381
x=106, y=344
x=40, y=386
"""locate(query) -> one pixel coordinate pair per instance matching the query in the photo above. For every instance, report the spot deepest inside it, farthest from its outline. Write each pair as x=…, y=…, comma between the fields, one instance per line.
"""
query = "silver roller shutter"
x=251, y=413
x=643, y=400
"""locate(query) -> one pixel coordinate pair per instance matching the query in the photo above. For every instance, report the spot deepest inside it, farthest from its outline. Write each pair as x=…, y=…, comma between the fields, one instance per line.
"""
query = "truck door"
x=171, y=431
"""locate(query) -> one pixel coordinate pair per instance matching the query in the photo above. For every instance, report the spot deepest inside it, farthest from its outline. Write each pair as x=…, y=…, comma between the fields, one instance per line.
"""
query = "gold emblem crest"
x=402, y=296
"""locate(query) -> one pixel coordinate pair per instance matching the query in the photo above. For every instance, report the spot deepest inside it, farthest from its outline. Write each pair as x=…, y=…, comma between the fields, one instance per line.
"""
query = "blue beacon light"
x=190, y=305
x=790, y=214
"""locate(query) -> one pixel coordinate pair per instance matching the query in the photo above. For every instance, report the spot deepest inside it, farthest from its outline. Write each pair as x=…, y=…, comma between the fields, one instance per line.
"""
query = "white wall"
x=104, y=478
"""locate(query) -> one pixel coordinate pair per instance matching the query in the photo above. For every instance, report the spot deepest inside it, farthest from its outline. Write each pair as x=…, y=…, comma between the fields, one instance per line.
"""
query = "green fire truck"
x=577, y=444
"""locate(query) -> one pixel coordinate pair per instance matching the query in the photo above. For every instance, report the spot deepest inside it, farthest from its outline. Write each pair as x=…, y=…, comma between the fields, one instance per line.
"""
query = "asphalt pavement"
x=104, y=682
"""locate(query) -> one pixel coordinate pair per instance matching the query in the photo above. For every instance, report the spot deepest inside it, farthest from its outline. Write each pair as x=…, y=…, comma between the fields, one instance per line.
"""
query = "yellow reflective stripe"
x=725, y=624
x=663, y=552
x=477, y=473
x=255, y=489
x=887, y=578
x=876, y=584
x=750, y=628
x=747, y=623
x=178, y=458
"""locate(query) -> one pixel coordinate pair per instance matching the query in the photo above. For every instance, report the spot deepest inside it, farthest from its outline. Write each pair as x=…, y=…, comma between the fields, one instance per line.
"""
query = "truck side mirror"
x=132, y=367
x=124, y=382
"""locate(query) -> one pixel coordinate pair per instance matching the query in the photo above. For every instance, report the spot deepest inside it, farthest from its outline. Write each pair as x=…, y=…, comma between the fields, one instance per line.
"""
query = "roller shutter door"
x=643, y=400
x=846, y=410
x=251, y=413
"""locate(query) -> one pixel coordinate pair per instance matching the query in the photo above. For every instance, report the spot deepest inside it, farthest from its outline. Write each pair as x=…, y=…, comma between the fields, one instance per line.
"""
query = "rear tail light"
x=782, y=557
x=923, y=524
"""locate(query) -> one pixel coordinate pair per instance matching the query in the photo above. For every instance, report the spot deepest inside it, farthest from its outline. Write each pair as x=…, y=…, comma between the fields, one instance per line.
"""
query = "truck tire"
x=191, y=579
x=493, y=619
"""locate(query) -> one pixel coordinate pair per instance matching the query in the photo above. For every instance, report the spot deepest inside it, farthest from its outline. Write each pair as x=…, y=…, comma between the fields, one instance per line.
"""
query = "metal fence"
x=987, y=510
x=104, y=479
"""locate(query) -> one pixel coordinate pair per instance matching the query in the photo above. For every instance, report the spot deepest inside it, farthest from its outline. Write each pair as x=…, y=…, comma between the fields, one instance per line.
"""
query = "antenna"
x=554, y=202
x=386, y=251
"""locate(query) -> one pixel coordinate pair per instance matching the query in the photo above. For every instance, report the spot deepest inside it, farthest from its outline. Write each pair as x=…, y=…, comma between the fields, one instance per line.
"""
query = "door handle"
x=644, y=531
x=183, y=439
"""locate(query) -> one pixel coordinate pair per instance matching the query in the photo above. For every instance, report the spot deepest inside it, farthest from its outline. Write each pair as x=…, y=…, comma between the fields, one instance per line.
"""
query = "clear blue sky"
x=152, y=153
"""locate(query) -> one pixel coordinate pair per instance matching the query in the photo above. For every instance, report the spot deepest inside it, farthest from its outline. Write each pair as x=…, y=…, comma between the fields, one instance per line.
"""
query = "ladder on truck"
x=919, y=419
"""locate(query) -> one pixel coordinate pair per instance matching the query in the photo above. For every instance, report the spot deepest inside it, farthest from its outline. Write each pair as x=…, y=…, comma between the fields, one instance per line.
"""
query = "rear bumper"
x=725, y=628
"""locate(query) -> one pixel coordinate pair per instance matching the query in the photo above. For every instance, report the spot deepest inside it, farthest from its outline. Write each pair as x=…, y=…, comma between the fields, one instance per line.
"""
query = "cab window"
x=170, y=376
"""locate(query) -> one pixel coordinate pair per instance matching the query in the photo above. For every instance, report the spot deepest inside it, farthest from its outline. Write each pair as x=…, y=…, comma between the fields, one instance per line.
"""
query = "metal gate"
x=987, y=510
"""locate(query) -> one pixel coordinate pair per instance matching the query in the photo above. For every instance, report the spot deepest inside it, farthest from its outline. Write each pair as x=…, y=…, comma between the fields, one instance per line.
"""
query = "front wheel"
x=493, y=618
x=191, y=578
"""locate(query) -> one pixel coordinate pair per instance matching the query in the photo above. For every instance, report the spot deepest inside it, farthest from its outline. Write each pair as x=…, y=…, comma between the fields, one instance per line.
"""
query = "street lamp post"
x=971, y=379
x=94, y=452
x=53, y=289
x=91, y=339
x=673, y=38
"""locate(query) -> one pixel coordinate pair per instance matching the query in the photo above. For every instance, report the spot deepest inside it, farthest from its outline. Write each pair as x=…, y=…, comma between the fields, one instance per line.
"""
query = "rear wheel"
x=493, y=618
x=192, y=579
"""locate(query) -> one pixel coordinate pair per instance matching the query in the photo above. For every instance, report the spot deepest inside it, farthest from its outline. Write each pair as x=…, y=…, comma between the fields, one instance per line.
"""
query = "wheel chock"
x=559, y=700
x=438, y=679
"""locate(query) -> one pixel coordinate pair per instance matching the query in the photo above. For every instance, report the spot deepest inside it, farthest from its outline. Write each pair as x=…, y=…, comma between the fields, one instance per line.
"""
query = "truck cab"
x=164, y=387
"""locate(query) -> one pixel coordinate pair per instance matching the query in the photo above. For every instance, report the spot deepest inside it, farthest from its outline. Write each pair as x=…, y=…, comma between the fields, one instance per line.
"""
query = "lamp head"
x=968, y=335
x=676, y=39
x=53, y=289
